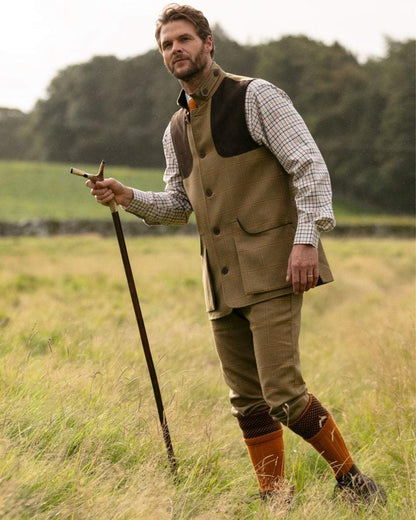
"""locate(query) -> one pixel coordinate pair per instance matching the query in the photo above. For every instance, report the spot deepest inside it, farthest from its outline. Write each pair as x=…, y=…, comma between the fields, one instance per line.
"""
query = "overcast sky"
x=40, y=37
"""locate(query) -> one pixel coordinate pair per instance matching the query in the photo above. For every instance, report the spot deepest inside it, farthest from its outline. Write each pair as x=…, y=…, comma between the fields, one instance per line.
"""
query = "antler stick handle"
x=95, y=178
x=138, y=314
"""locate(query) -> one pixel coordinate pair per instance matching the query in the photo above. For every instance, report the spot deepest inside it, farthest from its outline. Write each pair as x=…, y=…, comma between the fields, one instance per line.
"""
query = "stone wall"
x=138, y=228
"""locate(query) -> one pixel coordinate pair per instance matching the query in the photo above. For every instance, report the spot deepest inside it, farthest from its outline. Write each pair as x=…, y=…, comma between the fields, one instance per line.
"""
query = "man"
x=240, y=157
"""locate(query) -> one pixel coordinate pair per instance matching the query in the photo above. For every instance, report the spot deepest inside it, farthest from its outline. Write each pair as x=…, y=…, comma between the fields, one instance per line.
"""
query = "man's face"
x=184, y=53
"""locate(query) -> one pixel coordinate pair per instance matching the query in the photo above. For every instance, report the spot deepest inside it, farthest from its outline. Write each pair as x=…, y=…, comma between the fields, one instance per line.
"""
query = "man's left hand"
x=303, y=270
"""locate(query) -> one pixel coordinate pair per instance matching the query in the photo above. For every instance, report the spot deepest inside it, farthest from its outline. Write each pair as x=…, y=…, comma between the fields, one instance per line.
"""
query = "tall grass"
x=79, y=434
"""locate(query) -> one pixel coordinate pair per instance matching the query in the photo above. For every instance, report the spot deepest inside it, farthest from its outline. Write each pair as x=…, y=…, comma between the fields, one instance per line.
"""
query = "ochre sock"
x=317, y=426
x=267, y=456
x=330, y=444
x=264, y=440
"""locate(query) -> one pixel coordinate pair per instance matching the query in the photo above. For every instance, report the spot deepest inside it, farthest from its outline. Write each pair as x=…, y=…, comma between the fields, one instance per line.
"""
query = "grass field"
x=47, y=191
x=79, y=434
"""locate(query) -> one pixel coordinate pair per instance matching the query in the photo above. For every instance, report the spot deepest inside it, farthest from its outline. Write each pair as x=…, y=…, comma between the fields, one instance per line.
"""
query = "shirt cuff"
x=307, y=234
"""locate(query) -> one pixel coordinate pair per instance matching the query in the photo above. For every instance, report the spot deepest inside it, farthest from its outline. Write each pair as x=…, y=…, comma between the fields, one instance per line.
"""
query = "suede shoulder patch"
x=228, y=120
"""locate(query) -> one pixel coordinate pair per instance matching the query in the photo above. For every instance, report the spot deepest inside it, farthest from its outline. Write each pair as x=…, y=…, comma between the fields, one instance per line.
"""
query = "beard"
x=191, y=71
x=194, y=67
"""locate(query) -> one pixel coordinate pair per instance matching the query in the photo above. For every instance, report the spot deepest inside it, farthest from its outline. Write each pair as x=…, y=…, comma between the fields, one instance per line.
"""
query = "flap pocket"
x=254, y=227
x=263, y=257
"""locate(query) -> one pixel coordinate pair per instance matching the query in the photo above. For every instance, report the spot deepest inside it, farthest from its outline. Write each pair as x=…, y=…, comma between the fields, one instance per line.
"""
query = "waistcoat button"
x=202, y=155
x=224, y=270
x=208, y=192
x=216, y=231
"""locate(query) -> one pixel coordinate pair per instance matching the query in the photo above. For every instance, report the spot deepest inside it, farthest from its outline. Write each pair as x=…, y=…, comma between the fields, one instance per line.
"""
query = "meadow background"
x=79, y=433
x=47, y=190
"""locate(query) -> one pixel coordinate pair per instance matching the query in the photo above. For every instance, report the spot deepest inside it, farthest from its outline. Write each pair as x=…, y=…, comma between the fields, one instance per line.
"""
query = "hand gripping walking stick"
x=138, y=313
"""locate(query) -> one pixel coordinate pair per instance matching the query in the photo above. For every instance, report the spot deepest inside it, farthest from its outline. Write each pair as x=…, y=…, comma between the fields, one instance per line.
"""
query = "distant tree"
x=12, y=137
x=325, y=84
x=233, y=57
x=380, y=170
x=70, y=122
x=362, y=116
x=106, y=106
x=395, y=141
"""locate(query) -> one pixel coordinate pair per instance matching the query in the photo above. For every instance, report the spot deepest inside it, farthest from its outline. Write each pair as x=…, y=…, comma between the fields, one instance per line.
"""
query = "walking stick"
x=138, y=313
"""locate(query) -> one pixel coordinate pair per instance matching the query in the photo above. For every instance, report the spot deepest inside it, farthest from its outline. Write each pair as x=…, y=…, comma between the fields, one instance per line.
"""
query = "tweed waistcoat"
x=242, y=198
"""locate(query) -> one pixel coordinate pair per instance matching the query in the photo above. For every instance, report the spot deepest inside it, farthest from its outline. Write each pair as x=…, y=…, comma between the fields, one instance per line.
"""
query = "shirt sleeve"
x=171, y=207
x=273, y=122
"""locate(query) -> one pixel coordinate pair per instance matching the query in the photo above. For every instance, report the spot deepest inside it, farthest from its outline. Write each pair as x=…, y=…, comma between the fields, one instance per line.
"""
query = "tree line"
x=362, y=115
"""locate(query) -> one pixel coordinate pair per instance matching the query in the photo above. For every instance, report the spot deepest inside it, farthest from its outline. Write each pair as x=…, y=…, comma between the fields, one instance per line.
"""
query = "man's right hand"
x=110, y=189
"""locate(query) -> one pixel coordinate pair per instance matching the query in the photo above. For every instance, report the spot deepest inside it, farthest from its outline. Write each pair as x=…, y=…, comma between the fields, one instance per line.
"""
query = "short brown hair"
x=174, y=12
